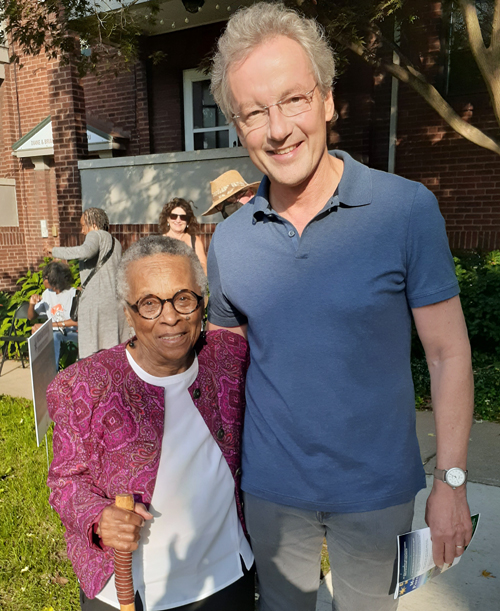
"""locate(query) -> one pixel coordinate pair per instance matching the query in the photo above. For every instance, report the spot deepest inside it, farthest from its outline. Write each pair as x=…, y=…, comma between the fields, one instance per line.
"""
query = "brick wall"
x=69, y=133
x=362, y=100
x=464, y=177
x=12, y=243
x=27, y=96
x=23, y=104
x=147, y=102
x=121, y=100
x=128, y=234
x=184, y=50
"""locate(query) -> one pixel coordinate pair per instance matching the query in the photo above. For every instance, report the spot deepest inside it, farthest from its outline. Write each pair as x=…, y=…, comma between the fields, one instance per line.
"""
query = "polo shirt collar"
x=355, y=187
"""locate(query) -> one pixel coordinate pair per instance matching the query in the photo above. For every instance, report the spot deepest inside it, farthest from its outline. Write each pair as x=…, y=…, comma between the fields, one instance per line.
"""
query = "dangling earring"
x=131, y=342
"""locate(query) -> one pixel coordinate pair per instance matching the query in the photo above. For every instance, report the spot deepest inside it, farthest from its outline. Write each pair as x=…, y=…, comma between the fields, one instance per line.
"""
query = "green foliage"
x=68, y=355
x=4, y=305
x=30, y=284
x=479, y=278
x=62, y=28
x=421, y=382
x=35, y=573
x=486, y=385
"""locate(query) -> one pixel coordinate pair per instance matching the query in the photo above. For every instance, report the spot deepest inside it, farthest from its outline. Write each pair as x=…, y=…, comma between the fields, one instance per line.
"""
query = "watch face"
x=455, y=477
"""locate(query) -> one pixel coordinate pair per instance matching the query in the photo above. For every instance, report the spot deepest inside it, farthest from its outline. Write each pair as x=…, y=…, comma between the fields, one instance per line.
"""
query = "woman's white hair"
x=250, y=27
x=155, y=245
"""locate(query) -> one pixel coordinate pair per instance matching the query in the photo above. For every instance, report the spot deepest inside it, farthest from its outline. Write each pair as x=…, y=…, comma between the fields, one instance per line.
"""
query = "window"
x=205, y=126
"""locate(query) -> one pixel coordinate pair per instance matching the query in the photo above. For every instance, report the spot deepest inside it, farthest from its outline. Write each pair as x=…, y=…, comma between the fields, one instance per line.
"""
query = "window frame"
x=190, y=77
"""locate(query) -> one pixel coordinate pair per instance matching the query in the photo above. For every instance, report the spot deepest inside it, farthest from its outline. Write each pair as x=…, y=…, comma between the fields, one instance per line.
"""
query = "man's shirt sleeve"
x=431, y=274
x=221, y=311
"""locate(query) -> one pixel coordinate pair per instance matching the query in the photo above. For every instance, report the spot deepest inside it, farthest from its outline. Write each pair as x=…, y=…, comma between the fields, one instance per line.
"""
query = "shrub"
x=486, y=385
x=479, y=279
x=4, y=306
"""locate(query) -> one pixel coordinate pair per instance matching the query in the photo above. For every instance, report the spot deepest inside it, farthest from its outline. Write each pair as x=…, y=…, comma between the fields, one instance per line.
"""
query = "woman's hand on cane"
x=120, y=529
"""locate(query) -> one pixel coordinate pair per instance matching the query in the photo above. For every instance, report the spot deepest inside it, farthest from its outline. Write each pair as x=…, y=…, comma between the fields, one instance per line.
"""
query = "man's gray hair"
x=156, y=245
x=250, y=27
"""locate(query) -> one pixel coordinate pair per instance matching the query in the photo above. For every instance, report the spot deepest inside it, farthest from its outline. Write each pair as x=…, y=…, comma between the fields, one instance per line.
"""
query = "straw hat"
x=228, y=184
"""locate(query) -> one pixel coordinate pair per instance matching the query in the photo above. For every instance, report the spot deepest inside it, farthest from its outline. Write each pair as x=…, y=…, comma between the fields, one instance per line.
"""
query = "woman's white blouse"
x=192, y=546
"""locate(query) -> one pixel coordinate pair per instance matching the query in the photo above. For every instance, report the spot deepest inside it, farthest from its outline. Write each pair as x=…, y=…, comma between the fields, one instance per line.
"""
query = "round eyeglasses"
x=290, y=106
x=151, y=306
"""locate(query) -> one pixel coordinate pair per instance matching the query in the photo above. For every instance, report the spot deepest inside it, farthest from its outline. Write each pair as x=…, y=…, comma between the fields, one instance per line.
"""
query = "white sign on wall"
x=41, y=140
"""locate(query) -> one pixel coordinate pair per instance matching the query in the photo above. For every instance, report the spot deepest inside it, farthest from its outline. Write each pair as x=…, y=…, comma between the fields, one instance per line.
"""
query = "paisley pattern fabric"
x=108, y=435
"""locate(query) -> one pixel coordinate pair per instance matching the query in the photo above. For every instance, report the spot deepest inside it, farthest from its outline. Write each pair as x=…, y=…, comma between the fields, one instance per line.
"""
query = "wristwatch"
x=454, y=477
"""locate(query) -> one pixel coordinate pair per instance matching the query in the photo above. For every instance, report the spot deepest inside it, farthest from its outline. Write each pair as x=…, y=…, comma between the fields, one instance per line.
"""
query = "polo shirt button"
x=220, y=434
x=291, y=233
x=196, y=393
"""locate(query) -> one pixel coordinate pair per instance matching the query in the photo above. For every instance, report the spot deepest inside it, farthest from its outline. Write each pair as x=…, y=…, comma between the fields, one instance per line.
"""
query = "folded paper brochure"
x=415, y=563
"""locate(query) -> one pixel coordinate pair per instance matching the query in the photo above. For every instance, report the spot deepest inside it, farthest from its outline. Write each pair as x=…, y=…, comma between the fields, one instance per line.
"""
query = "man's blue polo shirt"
x=330, y=420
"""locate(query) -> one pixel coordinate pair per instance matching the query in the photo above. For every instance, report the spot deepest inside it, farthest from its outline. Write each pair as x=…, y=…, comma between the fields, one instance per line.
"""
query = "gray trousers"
x=362, y=547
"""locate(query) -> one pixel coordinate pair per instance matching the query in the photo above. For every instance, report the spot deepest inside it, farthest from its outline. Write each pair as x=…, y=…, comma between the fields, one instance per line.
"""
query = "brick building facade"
x=146, y=104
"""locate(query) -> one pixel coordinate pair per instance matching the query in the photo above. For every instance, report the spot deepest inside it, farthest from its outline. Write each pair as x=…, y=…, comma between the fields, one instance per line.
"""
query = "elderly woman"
x=101, y=322
x=159, y=417
x=178, y=221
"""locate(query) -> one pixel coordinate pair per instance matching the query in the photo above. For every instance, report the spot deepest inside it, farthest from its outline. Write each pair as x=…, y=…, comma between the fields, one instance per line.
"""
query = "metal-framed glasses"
x=290, y=106
x=151, y=306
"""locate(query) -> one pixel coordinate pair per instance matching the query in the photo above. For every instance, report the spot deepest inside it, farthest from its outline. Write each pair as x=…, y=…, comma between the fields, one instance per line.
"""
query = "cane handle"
x=123, y=564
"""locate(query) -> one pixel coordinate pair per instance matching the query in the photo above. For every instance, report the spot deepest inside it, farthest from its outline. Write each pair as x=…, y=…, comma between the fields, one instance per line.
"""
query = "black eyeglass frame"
x=173, y=216
x=135, y=308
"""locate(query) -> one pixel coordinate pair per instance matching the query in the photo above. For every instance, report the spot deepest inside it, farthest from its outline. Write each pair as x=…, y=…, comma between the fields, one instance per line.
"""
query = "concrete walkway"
x=16, y=381
x=474, y=584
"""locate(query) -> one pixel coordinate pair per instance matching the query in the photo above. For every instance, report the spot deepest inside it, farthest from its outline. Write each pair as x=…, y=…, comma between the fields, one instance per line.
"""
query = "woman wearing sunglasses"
x=159, y=417
x=178, y=221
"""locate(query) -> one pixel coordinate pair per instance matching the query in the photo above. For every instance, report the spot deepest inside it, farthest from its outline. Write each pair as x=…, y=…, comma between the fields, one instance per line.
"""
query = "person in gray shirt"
x=101, y=322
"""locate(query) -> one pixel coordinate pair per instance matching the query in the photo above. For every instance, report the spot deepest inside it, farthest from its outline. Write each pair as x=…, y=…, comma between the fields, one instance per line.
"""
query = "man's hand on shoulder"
x=448, y=516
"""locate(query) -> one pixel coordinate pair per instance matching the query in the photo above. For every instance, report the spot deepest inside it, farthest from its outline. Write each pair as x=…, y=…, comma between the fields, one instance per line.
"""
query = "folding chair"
x=13, y=337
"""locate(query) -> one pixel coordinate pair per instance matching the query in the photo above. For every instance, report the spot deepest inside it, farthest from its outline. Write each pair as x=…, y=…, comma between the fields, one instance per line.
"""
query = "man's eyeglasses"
x=174, y=217
x=290, y=106
x=151, y=306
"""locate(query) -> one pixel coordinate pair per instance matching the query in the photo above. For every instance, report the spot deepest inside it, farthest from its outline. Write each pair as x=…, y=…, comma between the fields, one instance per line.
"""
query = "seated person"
x=55, y=302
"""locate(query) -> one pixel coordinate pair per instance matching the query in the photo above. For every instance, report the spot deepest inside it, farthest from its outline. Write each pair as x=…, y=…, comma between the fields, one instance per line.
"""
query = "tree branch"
x=495, y=28
x=431, y=95
x=488, y=60
x=474, y=35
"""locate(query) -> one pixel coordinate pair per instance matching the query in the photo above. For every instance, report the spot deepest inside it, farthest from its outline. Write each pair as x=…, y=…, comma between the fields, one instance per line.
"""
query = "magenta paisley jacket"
x=108, y=434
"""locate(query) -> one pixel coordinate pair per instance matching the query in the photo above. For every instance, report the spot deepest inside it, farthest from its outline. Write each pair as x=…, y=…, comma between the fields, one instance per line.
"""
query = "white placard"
x=43, y=371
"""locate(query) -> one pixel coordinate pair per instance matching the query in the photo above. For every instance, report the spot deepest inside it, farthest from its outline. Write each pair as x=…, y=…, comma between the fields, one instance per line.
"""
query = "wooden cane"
x=123, y=564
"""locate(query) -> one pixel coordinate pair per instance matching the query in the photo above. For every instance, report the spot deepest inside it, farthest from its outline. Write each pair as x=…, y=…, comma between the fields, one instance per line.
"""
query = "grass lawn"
x=35, y=574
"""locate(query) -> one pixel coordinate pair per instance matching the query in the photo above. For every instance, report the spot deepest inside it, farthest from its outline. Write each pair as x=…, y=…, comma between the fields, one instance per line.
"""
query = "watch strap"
x=440, y=474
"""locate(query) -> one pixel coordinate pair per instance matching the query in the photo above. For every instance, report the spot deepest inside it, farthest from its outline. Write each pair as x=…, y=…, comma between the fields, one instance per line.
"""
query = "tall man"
x=323, y=271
